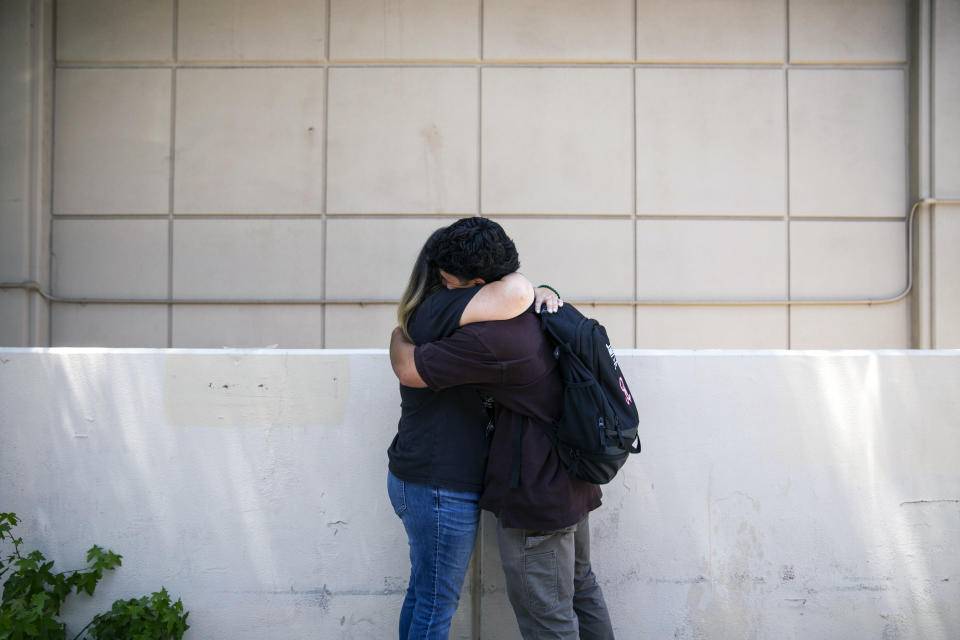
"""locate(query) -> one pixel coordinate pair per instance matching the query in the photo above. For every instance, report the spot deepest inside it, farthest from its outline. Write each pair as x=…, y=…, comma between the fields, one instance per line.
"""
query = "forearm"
x=501, y=300
x=402, y=360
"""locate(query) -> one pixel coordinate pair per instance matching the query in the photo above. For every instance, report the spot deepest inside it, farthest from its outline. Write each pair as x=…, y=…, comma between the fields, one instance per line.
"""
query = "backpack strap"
x=594, y=348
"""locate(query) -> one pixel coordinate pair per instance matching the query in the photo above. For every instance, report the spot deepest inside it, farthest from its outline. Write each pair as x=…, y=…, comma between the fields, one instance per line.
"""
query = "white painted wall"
x=779, y=495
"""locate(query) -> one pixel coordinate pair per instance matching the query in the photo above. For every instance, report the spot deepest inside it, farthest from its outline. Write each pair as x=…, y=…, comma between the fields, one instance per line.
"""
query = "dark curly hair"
x=476, y=247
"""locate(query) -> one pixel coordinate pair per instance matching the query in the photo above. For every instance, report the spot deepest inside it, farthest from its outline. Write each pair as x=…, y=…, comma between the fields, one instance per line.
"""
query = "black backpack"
x=598, y=426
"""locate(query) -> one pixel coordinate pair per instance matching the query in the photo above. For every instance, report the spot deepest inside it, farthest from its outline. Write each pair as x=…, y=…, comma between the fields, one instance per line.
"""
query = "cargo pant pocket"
x=541, y=580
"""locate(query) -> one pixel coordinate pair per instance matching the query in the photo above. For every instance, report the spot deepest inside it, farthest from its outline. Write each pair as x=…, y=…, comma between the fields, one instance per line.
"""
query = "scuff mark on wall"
x=313, y=597
x=788, y=574
x=863, y=587
x=394, y=584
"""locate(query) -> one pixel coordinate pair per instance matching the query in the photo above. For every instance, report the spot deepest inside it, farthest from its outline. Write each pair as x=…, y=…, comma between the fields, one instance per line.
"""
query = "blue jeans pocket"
x=397, y=492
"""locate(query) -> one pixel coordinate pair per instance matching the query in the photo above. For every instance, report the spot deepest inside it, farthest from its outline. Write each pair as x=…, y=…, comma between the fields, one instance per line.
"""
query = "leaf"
x=10, y=519
x=39, y=600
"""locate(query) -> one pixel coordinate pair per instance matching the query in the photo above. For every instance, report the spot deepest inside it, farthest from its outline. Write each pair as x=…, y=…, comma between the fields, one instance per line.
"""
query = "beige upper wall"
x=654, y=151
x=946, y=176
x=25, y=78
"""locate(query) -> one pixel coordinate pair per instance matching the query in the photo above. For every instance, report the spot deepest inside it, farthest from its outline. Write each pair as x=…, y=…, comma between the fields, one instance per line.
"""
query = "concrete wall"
x=300, y=151
x=783, y=495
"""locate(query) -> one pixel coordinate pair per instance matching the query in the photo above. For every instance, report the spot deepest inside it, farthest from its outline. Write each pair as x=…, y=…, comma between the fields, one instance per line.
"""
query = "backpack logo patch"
x=613, y=357
x=626, y=394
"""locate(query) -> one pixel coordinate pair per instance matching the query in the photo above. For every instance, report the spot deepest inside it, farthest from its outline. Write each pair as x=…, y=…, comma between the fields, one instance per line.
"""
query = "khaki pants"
x=551, y=586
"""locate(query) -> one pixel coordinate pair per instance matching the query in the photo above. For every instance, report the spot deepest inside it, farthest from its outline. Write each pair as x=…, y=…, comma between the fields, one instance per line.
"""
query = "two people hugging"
x=477, y=381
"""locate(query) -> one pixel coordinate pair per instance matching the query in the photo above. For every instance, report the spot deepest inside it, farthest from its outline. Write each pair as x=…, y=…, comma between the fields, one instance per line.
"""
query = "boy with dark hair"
x=476, y=248
x=542, y=513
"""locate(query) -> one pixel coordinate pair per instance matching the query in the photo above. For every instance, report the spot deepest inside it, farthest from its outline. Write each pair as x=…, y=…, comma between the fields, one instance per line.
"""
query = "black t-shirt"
x=441, y=439
x=512, y=361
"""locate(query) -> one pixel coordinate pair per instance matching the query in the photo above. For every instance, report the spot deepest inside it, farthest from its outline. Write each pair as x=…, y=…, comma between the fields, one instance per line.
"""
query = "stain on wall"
x=252, y=390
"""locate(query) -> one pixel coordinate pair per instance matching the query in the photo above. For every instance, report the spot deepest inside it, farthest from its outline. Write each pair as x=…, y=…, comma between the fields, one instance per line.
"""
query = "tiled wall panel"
x=946, y=278
x=412, y=29
x=557, y=141
x=617, y=320
x=851, y=327
x=403, y=141
x=14, y=318
x=14, y=232
x=98, y=325
x=373, y=257
x=359, y=326
x=706, y=31
x=282, y=326
x=847, y=259
x=847, y=143
x=251, y=30
x=110, y=258
x=249, y=141
x=115, y=30
x=946, y=174
x=248, y=259
x=946, y=97
x=848, y=31
x=112, y=145
x=558, y=29
x=729, y=159
x=711, y=260
x=583, y=261
x=714, y=327
x=15, y=136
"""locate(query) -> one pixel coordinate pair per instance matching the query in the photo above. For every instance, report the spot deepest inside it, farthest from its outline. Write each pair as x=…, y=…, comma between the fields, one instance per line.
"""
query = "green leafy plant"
x=149, y=618
x=33, y=595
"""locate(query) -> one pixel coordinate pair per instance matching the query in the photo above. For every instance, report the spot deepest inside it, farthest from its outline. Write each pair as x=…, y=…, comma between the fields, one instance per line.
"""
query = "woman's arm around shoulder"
x=503, y=299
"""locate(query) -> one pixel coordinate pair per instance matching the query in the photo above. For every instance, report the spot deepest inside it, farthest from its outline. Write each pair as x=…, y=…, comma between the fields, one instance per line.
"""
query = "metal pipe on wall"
x=908, y=286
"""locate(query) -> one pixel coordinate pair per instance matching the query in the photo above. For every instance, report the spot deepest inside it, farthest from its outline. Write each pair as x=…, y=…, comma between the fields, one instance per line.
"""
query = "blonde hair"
x=424, y=280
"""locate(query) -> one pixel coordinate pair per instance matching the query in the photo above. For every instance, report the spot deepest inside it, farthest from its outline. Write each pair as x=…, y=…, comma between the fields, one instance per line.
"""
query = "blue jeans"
x=441, y=528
